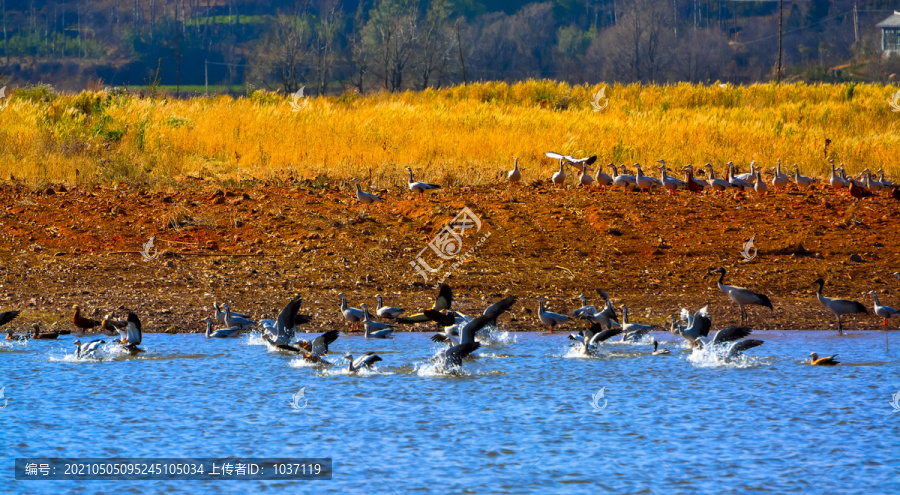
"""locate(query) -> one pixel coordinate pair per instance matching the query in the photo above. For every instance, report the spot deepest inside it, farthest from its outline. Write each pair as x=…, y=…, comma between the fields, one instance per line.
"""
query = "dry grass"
x=457, y=136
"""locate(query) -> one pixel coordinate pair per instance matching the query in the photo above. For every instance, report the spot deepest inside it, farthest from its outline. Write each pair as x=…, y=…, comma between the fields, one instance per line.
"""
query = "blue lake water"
x=521, y=419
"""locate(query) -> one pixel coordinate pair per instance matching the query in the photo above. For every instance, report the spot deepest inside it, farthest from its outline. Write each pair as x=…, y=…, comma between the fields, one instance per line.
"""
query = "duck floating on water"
x=815, y=360
x=36, y=333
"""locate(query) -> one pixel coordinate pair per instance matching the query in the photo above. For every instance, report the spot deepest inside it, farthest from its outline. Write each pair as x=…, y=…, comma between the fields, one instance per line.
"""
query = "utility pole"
x=778, y=68
x=855, y=22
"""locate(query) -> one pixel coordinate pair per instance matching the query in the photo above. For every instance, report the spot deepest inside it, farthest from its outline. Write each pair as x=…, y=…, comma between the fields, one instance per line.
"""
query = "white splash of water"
x=716, y=356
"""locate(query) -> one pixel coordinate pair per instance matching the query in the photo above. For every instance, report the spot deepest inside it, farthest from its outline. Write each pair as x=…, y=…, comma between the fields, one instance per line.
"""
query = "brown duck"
x=81, y=322
x=38, y=335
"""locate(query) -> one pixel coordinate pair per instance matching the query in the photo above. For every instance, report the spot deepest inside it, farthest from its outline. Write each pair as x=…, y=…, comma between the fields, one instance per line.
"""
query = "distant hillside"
x=332, y=45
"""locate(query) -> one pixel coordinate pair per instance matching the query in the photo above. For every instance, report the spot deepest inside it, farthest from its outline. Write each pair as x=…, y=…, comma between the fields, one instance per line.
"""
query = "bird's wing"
x=498, y=308
x=133, y=329
x=457, y=353
x=554, y=155
x=731, y=334
x=444, y=320
x=467, y=334
x=320, y=344
x=743, y=345
x=8, y=316
x=604, y=335
x=302, y=319
x=285, y=320
x=444, y=299
x=701, y=325
x=367, y=360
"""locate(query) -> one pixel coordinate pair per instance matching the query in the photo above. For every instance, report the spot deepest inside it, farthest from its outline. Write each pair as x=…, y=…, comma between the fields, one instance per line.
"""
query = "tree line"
x=329, y=46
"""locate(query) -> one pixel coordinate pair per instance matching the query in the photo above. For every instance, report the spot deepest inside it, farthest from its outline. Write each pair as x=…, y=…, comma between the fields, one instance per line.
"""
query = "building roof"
x=891, y=22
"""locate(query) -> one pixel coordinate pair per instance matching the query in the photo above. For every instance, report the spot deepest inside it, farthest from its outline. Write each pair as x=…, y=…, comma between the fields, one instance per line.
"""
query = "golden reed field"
x=463, y=135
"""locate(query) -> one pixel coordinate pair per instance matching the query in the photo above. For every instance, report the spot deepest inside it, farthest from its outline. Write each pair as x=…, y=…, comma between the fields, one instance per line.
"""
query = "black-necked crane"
x=741, y=296
x=838, y=307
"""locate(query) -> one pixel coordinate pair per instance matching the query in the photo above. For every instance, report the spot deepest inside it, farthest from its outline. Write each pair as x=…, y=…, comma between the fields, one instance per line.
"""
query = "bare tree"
x=435, y=38
x=329, y=21
x=280, y=56
x=389, y=39
x=640, y=46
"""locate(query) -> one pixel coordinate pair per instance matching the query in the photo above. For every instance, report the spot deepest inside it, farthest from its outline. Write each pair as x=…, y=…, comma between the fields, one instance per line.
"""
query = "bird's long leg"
x=840, y=327
x=884, y=323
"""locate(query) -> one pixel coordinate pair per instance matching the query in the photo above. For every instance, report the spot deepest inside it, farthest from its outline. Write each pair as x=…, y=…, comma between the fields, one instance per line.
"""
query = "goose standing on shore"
x=603, y=179
x=643, y=182
x=584, y=178
x=835, y=180
x=741, y=296
x=559, y=177
x=871, y=184
x=549, y=318
x=374, y=329
x=419, y=187
x=760, y=186
x=884, y=182
x=514, y=175
x=838, y=307
x=353, y=315
x=383, y=311
x=719, y=185
x=885, y=312
x=748, y=176
x=622, y=180
x=365, y=198
x=737, y=182
x=803, y=182
x=781, y=180
x=670, y=183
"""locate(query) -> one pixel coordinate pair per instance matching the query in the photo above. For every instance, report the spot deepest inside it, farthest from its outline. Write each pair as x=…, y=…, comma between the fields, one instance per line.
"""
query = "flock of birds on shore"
x=863, y=185
x=461, y=333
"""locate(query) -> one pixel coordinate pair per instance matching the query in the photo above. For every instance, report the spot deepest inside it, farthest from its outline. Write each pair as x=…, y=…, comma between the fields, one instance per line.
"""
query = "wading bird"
x=838, y=307
x=885, y=312
x=741, y=296
x=374, y=329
